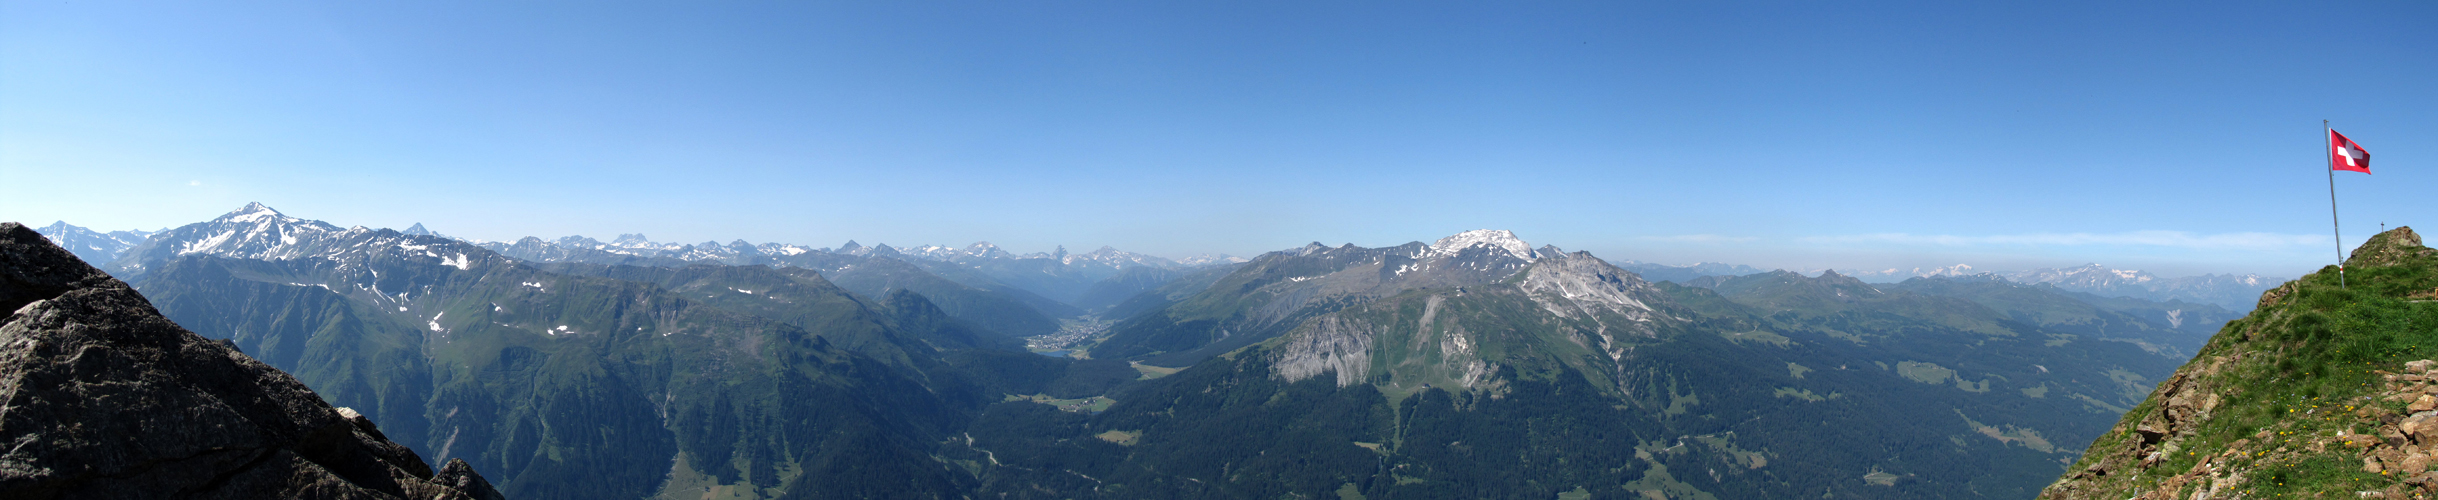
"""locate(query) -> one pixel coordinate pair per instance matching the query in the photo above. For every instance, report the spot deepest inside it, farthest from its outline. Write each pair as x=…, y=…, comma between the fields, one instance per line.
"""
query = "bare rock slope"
x=102, y=397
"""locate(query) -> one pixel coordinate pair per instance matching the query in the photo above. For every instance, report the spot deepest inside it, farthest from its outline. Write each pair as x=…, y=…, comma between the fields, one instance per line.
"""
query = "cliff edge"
x=103, y=398
x=2326, y=390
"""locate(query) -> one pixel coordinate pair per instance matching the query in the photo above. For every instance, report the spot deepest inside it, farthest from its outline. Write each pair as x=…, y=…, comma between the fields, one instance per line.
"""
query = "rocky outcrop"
x=2284, y=402
x=2396, y=246
x=2398, y=442
x=1325, y=345
x=1569, y=284
x=102, y=397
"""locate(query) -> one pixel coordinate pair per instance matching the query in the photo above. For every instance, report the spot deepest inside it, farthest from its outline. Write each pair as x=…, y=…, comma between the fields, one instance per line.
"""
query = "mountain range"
x=2235, y=292
x=90, y=245
x=1681, y=274
x=1478, y=365
x=568, y=385
x=1473, y=365
x=1077, y=280
x=105, y=398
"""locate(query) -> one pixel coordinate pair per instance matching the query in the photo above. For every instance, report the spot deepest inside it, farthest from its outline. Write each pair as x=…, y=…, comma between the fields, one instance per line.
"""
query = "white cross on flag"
x=2343, y=154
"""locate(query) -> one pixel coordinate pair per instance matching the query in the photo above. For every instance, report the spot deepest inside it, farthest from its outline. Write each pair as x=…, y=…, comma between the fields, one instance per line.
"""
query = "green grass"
x=1761, y=336
x=2303, y=367
x=1927, y=373
x=1121, y=438
x=1152, y=372
x=1802, y=394
x=2321, y=473
x=1094, y=404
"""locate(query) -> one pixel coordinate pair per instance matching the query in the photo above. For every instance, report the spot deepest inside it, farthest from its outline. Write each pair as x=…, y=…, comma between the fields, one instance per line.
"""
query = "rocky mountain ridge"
x=2233, y=291
x=2322, y=391
x=252, y=232
x=1067, y=277
x=1272, y=293
x=741, y=251
x=1057, y=277
x=1893, y=274
x=566, y=385
x=1469, y=369
x=1605, y=310
x=90, y=245
x=104, y=398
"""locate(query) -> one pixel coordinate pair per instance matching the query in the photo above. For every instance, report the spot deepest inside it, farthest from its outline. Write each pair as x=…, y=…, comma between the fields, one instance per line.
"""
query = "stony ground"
x=2310, y=396
x=2393, y=435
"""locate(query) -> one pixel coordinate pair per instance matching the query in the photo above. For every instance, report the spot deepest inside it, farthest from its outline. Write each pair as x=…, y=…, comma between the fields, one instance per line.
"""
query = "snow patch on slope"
x=1499, y=240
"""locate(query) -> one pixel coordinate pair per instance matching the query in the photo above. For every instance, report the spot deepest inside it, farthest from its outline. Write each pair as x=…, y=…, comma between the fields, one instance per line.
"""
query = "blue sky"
x=2178, y=138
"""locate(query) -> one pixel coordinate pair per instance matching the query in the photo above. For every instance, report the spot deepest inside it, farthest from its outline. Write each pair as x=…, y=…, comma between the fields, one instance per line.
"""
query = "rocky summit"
x=102, y=397
x=2324, y=391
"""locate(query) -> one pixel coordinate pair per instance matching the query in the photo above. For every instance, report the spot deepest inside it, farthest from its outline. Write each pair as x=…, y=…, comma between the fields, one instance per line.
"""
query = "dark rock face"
x=101, y=397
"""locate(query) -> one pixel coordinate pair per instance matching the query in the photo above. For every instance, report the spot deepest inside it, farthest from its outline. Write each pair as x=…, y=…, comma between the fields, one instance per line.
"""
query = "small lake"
x=1055, y=354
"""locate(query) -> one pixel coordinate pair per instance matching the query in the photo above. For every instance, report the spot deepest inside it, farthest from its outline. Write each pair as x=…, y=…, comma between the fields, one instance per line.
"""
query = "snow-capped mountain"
x=1892, y=275
x=252, y=232
x=1464, y=259
x=1058, y=276
x=1211, y=259
x=258, y=232
x=93, y=246
x=984, y=251
x=981, y=256
x=2085, y=276
x=638, y=249
x=1113, y=257
x=2235, y=292
x=980, y=250
x=1279, y=290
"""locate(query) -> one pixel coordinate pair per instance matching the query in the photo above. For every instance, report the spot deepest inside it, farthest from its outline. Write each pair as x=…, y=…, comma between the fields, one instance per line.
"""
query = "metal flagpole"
x=2328, y=137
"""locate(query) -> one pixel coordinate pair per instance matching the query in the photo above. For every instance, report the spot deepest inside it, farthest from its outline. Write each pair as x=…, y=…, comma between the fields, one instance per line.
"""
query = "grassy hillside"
x=2316, y=394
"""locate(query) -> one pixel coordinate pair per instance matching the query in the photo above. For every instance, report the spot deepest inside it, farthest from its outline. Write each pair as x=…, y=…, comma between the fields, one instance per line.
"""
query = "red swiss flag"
x=2343, y=154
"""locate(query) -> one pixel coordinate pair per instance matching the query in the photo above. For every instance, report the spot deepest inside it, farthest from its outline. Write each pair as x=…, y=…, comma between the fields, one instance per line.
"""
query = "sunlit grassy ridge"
x=2291, y=400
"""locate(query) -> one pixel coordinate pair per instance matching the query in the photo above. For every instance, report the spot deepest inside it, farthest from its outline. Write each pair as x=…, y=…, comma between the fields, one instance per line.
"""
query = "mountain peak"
x=34, y=269
x=252, y=212
x=417, y=230
x=1496, y=239
x=2388, y=248
x=131, y=404
x=985, y=249
x=631, y=240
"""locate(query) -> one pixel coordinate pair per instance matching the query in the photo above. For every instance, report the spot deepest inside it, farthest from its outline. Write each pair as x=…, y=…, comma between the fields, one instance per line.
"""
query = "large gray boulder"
x=101, y=397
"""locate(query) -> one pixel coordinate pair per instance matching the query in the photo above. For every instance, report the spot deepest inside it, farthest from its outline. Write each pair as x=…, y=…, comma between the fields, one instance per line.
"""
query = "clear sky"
x=2177, y=138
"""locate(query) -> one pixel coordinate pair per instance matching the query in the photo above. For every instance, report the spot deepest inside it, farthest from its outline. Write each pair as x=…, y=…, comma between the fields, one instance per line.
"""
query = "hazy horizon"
x=1813, y=271
x=2179, y=140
